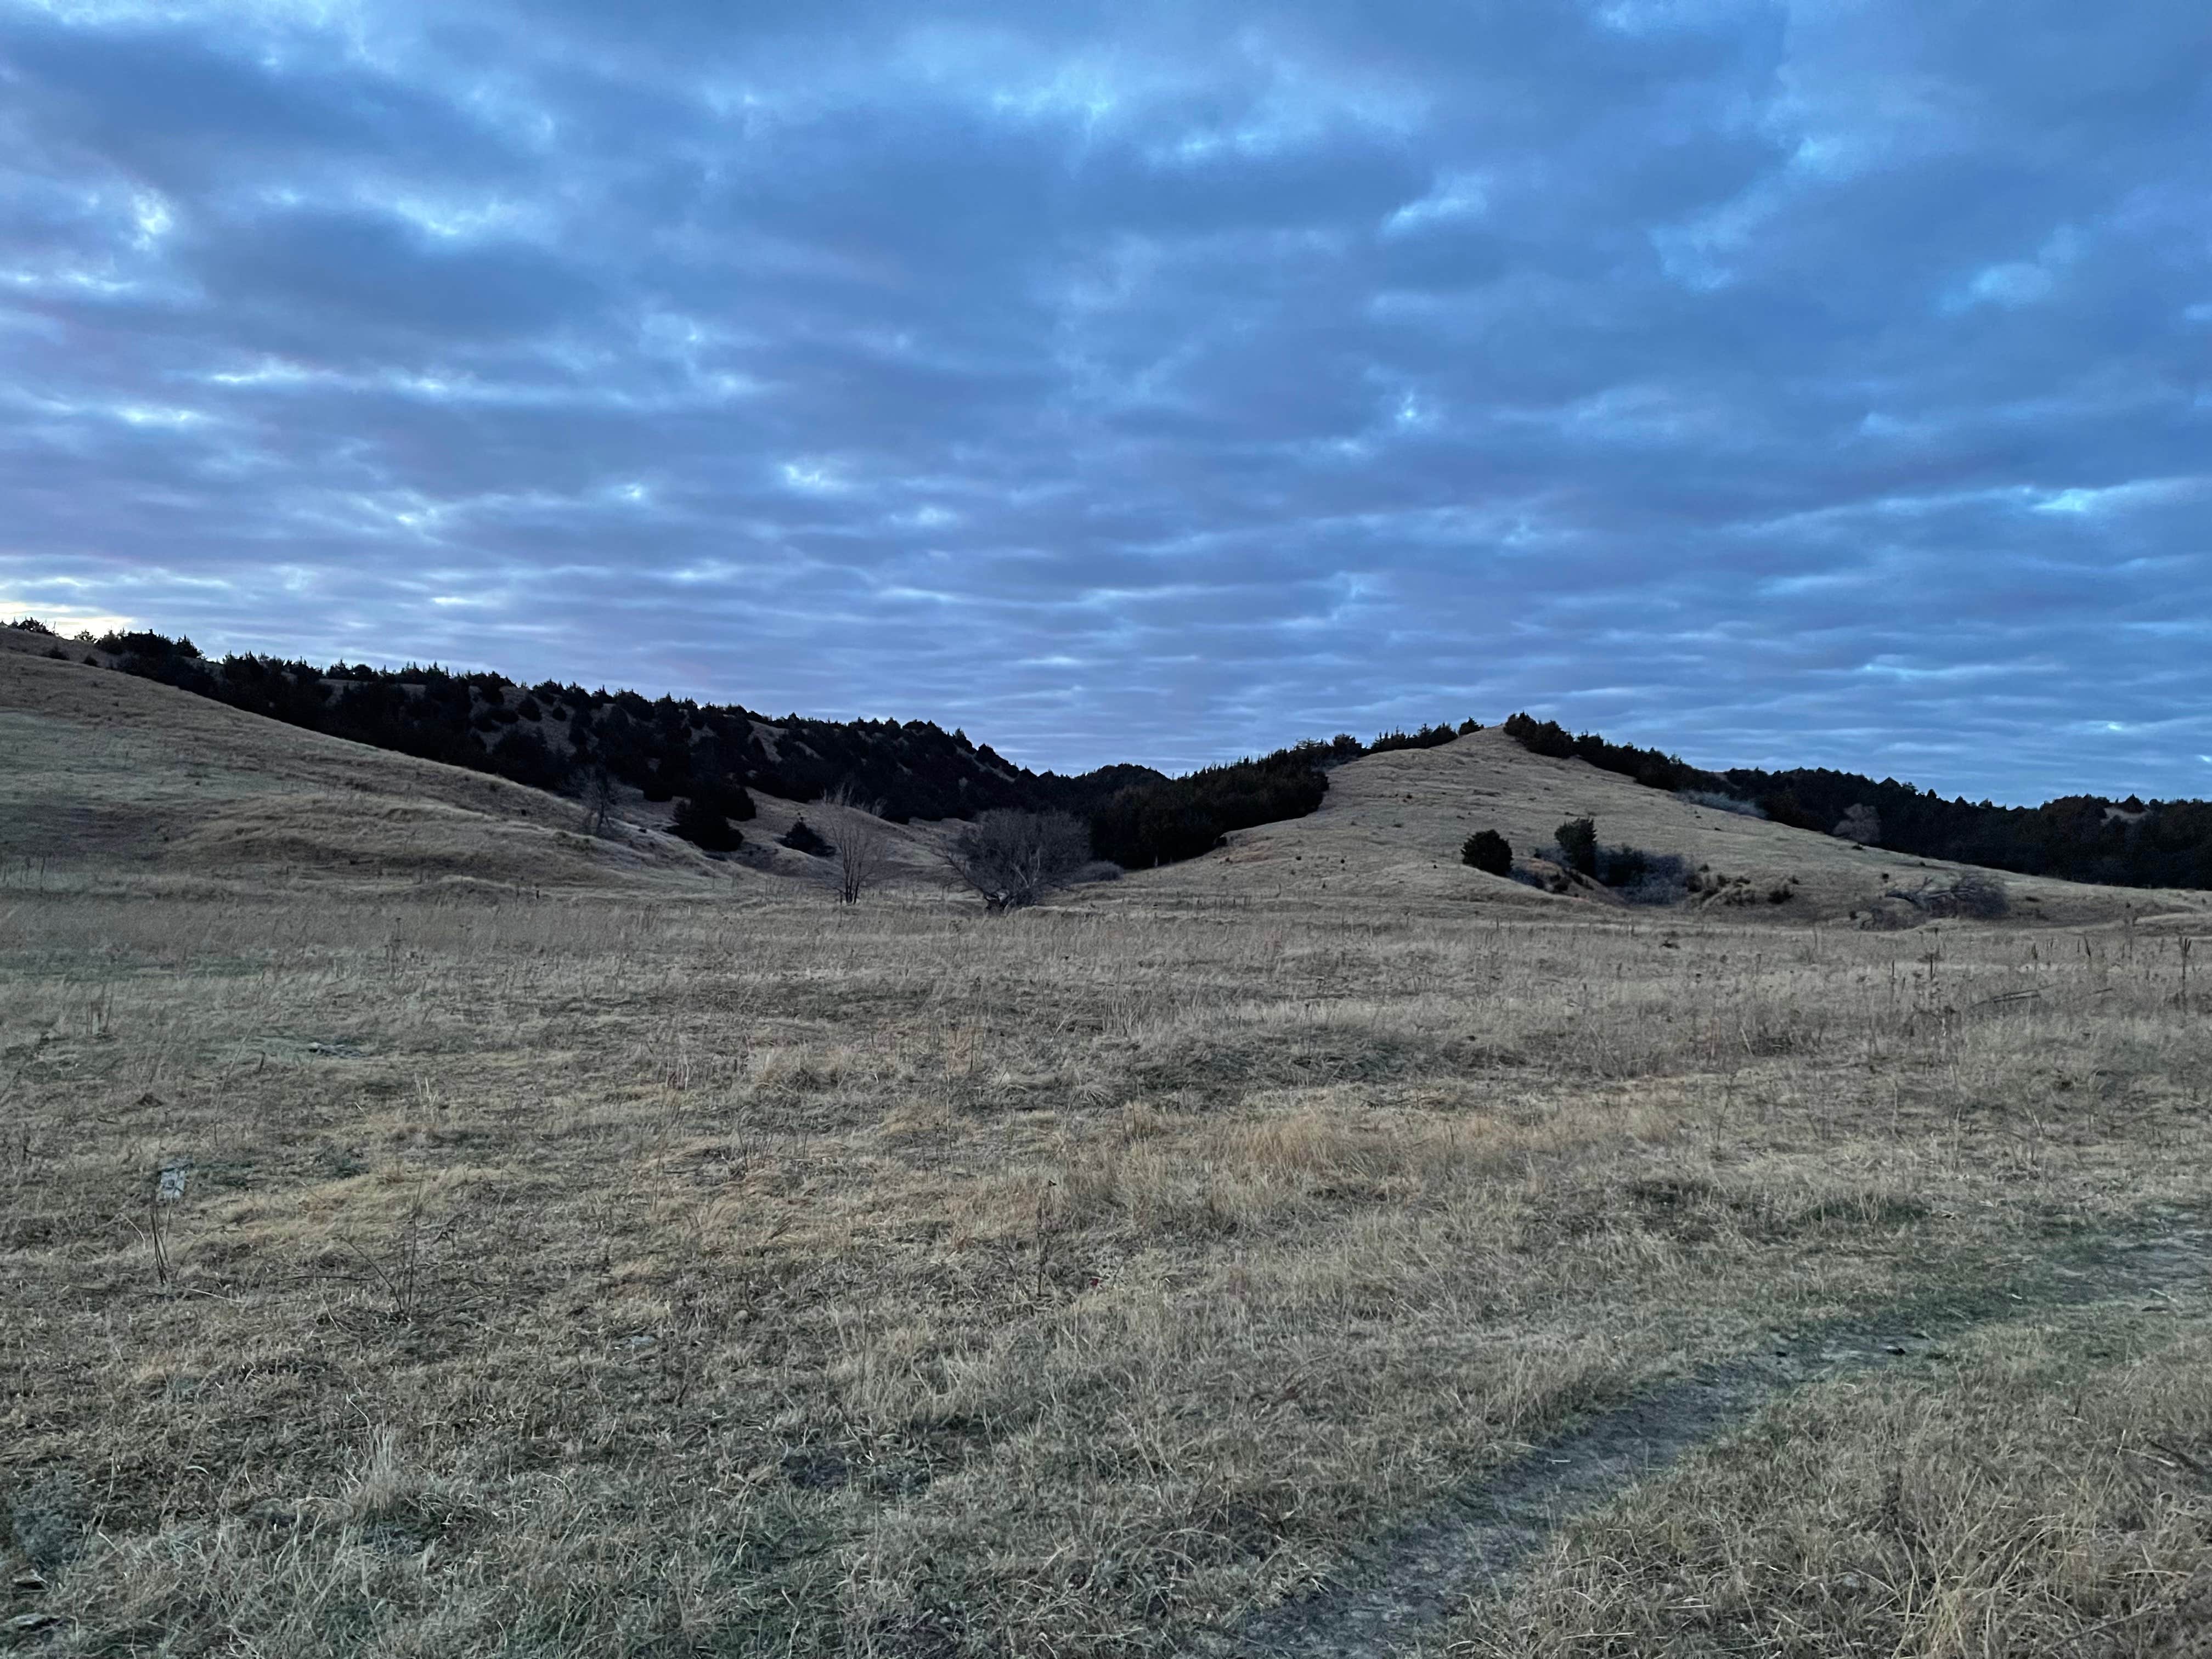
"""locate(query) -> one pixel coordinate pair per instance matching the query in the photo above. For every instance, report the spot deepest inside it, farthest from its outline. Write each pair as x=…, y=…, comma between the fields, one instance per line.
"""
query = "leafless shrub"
x=1014, y=859
x=861, y=850
x=1979, y=895
x=1715, y=801
x=425, y=1269
x=1861, y=823
x=600, y=796
x=1661, y=878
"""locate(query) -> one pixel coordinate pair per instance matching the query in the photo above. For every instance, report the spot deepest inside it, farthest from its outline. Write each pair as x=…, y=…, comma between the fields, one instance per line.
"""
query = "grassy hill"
x=112, y=772
x=562, y=737
x=1389, y=831
x=118, y=770
x=716, y=758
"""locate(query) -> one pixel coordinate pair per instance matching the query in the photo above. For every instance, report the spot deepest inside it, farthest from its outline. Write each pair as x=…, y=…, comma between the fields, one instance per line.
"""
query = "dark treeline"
x=1171, y=819
x=564, y=739
x=1181, y=817
x=2129, y=843
x=558, y=737
x=1649, y=767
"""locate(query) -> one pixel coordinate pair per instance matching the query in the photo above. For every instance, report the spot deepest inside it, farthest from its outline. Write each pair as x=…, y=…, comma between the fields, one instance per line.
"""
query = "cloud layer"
x=1777, y=382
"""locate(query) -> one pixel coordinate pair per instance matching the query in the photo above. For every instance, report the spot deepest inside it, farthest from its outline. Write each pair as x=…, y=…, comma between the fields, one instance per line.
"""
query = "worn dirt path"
x=1385, y=1601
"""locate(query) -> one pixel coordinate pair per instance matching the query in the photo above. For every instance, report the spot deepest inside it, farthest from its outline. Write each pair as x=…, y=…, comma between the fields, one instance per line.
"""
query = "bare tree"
x=1980, y=893
x=1014, y=859
x=600, y=797
x=860, y=856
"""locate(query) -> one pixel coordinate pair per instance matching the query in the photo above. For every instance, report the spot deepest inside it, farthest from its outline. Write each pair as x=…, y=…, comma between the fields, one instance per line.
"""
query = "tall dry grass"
x=578, y=1276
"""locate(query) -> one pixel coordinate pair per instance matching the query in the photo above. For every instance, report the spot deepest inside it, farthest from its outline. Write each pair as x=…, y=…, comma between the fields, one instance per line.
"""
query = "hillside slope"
x=107, y=771
x=560, y=737
x=1391, y=827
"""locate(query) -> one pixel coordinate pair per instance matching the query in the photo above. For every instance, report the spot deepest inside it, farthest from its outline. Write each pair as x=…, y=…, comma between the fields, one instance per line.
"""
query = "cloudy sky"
x=1800, y=382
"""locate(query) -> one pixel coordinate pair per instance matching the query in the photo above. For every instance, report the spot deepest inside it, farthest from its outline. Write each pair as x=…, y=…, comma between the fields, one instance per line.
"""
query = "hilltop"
x=1389, y=830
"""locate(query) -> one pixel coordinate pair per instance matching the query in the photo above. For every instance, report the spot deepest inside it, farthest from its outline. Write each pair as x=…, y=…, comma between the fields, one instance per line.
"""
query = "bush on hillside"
x=703, y=824
x=1644, y=877
x=1783, y=807
x=1653, y=767
x=1639, y=876
x=1545, y=737
x=528, y=759
x=1861, y=823
x=728, y=798
x=1620, y=866
x=802, y=838
x=1488, y=851
x=1577, y=841
x=1319, y=756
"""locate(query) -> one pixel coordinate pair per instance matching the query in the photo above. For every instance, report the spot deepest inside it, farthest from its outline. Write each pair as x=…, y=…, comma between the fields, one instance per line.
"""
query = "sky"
x=1800, y=382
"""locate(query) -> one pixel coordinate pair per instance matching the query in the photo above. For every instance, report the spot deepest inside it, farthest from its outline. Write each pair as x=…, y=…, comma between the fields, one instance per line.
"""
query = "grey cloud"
x=186, y=108
x=1145, y=383
x=316, y=282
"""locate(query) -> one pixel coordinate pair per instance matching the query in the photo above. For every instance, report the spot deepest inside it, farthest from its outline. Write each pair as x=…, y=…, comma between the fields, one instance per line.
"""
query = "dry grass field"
x=611, y=1255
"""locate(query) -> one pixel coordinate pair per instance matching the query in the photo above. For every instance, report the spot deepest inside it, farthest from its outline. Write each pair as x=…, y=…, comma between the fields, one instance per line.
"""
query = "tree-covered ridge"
x=561, y=737
x=564, y=737
x=1179, y=818
x=2128, y=843
x=558, y=737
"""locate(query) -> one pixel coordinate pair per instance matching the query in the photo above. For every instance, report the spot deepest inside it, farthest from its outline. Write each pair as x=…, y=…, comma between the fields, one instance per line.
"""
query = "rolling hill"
x=112, y=772
x=561, y=738
x=1391, y=825
x=115, y=770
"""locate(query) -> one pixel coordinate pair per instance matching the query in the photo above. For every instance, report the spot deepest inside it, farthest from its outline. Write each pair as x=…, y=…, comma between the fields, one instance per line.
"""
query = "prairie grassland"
x=2037, y=1495
x=575, y=1276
